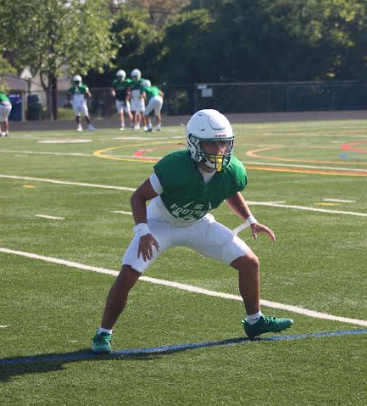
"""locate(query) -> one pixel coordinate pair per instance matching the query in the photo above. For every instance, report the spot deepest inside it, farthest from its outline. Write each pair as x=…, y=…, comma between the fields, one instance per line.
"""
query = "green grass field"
x=307, y=181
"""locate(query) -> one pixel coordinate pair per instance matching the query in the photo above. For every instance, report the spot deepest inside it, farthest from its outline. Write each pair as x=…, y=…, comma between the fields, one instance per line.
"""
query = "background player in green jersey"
x=80, y=94
x=137, y=98
x=120, y=90
x=5, y=109
x=154, y=102
x=184, y=187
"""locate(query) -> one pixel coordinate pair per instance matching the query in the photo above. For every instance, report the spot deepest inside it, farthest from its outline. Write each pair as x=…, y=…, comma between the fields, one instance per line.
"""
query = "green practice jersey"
x=135, y=84
x=151, y=91
x=82, y=89
x=4, y=98
x=135, y=88
x=121, y=88
x=185, y=195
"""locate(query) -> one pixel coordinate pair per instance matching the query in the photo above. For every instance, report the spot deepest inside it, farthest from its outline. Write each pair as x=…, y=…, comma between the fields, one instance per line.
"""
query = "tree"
x=136, y=41
x=5, y=66
x=186, y=48
x=49, y=35
x=159, y=12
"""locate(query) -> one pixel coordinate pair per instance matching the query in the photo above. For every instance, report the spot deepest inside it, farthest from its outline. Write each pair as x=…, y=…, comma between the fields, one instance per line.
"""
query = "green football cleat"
x=266, y=325
x=102, y=343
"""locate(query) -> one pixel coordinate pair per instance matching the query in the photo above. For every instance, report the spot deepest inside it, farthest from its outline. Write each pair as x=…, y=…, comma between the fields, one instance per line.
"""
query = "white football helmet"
x=146, y=83
x=136, y=74
x=77, y=78
x=209, y=126
x=121, y=74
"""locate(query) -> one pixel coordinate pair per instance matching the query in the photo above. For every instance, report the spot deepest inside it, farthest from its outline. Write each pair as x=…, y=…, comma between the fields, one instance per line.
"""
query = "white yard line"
x=3, y=326
x=286, y=206
x=61, y=182
x=190, y=288
x=45, y=216
x=47, y=153
x=270, y=204
x=339, y=201
x=122, y=212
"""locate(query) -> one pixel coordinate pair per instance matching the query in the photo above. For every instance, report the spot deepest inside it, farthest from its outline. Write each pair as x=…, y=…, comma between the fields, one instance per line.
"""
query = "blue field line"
x=82, y=355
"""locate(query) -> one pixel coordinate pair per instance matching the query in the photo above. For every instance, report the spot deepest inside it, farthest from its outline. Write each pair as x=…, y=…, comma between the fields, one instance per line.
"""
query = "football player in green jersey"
x=120, y=90
x=5, y=109
x=137, y=101
x=184, y=187
x=154, y=100
x=80, y=94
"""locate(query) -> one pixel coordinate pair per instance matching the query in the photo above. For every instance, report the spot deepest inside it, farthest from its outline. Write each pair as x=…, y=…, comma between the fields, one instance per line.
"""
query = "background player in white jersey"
x=120, y=90
x=183, y=188
x=137, y=102
x=154, y=100
x=80, y=94
x=5, y=109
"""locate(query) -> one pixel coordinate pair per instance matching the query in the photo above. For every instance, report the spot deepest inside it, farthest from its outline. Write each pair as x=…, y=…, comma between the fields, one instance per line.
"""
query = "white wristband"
x=141, y=229
x=251, y=220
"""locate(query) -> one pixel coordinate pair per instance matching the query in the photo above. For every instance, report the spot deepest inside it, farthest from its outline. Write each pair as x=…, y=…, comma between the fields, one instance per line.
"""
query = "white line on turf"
x=270, y=204
x=286, y=206
x=64, y=141
x=45, y=216
x=3, y=326
x=122, y=212
x=339, y=200
x=48, y=153
x=61, y=182
x=190, y=288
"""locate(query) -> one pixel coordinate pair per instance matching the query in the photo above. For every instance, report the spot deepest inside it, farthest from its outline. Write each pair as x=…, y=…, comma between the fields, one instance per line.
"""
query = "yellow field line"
x=309, y=171
x=100, y=154
x=253, y=154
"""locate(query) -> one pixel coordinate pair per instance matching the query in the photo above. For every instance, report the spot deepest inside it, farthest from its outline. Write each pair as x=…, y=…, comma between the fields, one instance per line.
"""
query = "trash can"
x=16, y=111
x=34, y=108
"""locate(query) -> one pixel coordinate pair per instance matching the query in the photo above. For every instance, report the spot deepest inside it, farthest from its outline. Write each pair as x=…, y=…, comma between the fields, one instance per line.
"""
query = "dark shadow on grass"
x=53, y=362
x=44, y=363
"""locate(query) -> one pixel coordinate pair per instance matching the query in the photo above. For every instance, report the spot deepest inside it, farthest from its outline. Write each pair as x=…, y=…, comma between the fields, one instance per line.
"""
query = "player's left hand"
x=145, y=248
x=260, y=228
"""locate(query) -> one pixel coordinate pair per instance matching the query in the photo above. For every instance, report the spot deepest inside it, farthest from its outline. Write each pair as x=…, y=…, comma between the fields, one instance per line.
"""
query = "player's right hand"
x=146, y=244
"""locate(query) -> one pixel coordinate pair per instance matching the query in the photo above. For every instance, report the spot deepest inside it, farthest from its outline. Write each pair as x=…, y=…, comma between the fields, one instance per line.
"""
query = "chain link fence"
x=227, y=98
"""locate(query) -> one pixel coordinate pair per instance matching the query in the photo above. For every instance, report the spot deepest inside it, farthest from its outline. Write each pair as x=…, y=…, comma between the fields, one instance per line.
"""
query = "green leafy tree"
x=268, y=40
x=158, y=12
x=49, y=35
x=186, y=48
x=137, y=44
x=5, y=68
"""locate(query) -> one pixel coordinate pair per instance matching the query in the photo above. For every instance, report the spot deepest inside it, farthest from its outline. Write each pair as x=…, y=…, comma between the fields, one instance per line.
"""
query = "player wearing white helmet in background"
x=184, y=187
x=120, y=90
x=154, y=99
x=5, y=109
x=137, y=102
x=80, y=94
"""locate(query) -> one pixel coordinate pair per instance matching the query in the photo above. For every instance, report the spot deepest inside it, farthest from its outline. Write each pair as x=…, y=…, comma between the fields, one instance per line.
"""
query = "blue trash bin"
x=16, y=111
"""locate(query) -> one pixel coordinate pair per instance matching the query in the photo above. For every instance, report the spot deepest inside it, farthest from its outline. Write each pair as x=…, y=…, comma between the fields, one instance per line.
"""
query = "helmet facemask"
x=212, y=161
